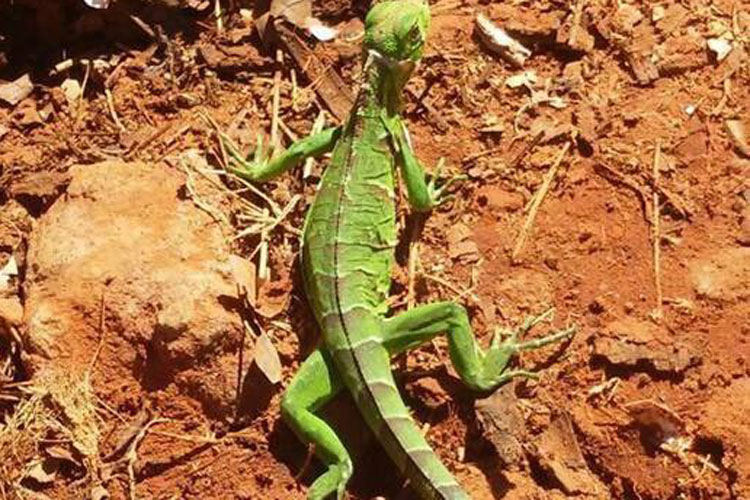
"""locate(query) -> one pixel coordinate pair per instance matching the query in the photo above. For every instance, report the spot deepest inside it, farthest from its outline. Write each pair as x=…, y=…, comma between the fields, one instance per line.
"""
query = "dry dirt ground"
x=607, y=178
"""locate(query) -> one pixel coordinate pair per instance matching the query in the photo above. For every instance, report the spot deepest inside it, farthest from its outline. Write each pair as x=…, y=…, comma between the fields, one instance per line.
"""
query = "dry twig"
x=112, y=110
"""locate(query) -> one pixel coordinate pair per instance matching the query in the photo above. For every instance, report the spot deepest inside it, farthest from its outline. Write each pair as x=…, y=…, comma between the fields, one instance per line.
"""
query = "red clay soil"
x=650, y=399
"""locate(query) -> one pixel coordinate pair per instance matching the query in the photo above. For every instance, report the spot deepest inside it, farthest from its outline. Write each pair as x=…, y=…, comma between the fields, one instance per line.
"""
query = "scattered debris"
x=558, y=452
x=17, y=90
x=243, y=271
x=26, y=115
x=499, y=41
x=43, y=472
x=72, y=90
x=97, y=4
x=502, y=424
x=644, y=69
x=327, y=83
x=573, y=34
x=609, y=386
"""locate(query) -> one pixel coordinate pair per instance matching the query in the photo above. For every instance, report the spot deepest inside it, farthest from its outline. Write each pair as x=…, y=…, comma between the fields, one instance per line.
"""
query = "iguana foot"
x=482, y=370
x=332, y=481
x=242, y=167
x=437, y=194
x=497, y=356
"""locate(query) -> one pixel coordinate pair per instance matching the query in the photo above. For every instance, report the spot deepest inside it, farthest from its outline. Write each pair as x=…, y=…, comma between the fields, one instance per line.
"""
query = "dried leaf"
x=502, y=425
x=244, y=274
x=16, y=91
x=460, y=245
x=295, y=11
x=267, y=358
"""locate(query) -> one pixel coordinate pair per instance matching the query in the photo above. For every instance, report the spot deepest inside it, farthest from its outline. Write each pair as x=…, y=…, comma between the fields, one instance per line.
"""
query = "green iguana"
x=347, y=252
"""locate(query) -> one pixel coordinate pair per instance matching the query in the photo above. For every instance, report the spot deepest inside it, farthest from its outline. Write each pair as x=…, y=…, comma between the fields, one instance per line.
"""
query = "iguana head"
x=397, y=29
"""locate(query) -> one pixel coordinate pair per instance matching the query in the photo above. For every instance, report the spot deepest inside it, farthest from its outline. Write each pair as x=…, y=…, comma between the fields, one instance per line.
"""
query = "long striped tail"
x=371, y=382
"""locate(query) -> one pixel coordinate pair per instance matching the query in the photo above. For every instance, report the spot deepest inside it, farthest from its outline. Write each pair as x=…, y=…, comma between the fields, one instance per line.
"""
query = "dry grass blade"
x=656, y=226
x=537, y=202
x=57, y=404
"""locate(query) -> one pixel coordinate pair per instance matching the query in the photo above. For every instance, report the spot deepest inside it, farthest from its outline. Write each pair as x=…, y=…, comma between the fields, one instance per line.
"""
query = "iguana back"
x=348, y=249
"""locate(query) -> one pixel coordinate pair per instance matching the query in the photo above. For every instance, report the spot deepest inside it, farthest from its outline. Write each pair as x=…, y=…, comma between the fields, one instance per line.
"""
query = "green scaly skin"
x=347, y=253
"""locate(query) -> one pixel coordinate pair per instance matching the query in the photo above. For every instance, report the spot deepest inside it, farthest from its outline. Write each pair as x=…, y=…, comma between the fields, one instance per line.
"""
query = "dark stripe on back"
x=416, y=461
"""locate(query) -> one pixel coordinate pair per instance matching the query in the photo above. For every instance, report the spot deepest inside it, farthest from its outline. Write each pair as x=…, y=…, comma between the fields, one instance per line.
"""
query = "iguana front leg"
x=312, y=387
x=263, y=168
x=423, y=195
x=479, y=369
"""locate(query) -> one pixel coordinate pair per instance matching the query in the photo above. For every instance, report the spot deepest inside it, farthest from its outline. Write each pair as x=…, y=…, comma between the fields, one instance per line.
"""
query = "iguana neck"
x=383, y=84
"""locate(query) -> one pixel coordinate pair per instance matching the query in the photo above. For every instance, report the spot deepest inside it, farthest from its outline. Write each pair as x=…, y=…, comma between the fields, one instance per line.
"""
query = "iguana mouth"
x=401, y=66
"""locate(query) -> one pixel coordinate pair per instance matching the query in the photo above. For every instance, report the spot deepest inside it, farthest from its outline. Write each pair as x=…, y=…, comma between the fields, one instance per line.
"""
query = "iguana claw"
x=437, y=193
x=505, y=344
x=249, y=170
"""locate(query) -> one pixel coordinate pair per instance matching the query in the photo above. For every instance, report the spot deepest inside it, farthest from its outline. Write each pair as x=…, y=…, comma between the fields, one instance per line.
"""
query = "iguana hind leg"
x=480, y=369
x=313, y=386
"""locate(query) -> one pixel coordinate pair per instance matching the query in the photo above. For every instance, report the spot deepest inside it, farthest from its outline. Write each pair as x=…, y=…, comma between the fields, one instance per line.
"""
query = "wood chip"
x=501, y=422
x=639, y=345
x=500, y=42
x=559, y=453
